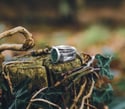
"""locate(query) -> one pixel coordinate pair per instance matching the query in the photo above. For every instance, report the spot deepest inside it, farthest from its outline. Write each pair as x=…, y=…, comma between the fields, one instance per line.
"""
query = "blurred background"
x=92, y=26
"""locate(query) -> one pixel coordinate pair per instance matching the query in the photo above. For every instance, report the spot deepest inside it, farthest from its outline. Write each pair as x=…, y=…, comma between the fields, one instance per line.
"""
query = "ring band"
x=62, y=53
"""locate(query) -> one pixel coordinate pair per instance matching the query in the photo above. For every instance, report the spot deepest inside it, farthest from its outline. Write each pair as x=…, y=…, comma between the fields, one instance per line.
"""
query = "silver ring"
x=63, y=53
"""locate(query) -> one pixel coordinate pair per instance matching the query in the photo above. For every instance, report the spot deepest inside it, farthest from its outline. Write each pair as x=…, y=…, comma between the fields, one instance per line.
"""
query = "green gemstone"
x=54, y=55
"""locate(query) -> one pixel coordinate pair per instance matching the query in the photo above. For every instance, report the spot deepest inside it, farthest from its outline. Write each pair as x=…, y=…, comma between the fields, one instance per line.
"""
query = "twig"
x=96, y=74
x=79, y=95
x=84, y=71
x=7, y=77
x=88, y=95
x=29, y=42
x=40, y=99
x=46, y=101
x=13, y=31
x=91, y=106
x=15, y=47
x=39, y=91
x=87, y=101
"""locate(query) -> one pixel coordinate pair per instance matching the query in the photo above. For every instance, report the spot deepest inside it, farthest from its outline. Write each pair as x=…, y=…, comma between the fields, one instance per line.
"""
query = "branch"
x=29, y=42
x=40, y=99
x=46, y=101
x=39, y=91
x=15, y=47
x=79, y=95
x=82, y=71
x=88, y=95
x=7, y=77
x=91, y=106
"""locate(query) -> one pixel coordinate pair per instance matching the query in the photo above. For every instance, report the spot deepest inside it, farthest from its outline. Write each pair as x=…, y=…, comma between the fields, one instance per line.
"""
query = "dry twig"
x=29, y=42
x=91, y=106
x=45, y=101
x=40, y=99
x=7, y=77
x=88, y=95
x=79, y=95
x=38, y=92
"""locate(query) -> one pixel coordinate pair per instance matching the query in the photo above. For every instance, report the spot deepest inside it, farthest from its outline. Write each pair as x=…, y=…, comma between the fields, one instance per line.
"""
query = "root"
x=29, y=42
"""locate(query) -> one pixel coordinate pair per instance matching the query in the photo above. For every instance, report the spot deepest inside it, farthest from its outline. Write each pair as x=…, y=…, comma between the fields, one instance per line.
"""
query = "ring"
x=63, y=53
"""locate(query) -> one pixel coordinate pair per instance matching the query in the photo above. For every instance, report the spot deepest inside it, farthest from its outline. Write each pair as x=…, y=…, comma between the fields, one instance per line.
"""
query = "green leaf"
x=104, y=65
x=104, y=95
x=21, y=95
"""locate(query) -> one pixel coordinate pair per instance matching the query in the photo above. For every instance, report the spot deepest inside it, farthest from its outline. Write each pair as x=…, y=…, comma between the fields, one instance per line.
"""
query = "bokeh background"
x=92, y=26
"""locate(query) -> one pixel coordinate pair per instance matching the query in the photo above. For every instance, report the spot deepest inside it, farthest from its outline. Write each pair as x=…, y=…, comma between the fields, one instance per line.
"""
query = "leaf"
x=104, y=65
x=21, y=95
x=104, y=95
